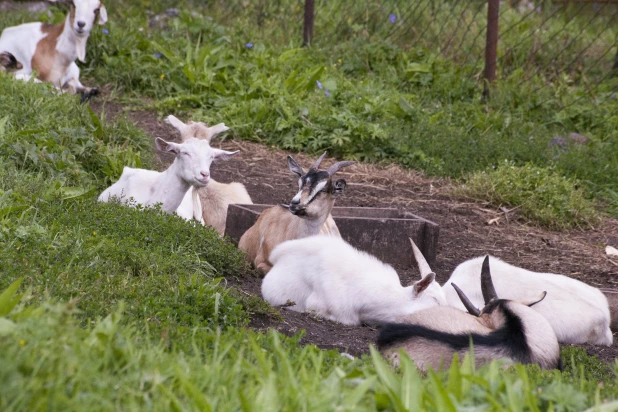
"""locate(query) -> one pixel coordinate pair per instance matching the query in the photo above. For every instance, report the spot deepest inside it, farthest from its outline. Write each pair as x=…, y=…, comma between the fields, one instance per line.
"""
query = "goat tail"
x=197, y=206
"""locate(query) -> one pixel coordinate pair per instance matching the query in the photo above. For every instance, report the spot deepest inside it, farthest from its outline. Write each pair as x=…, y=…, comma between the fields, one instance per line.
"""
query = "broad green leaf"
x=9, y=298
x=6, y=326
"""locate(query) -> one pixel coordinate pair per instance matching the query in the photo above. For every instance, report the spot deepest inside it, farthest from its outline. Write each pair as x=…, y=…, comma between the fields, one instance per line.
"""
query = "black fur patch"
x=511, y=336
x=315, y=177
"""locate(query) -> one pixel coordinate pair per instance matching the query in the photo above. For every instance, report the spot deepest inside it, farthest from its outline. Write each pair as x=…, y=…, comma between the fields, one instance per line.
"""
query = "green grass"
x=540, y=194
x=50, y=362
x=129, y=309
x=388, y=102
x=409, y=100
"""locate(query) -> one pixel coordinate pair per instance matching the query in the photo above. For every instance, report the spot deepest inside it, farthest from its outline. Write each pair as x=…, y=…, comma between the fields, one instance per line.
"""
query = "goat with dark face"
x=502, y=329
x=317, y=190
x=307, y=214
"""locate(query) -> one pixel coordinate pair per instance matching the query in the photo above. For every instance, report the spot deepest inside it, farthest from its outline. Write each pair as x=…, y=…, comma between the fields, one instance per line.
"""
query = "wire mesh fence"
x=537, y=42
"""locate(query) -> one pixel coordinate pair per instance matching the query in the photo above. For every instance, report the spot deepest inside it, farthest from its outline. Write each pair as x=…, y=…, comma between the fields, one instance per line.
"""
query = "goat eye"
x=96, y=11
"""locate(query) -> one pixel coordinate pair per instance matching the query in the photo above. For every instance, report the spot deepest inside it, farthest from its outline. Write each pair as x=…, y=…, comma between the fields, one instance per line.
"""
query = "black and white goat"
x=577, y=312
x=308, y=213
x=503, y=329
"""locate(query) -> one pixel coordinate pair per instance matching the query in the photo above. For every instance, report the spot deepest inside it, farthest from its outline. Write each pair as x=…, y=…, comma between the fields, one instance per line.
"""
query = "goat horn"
x=487, y=285
x=317, y=162
x=473, y=310
x=338, y=166
x=422, y=264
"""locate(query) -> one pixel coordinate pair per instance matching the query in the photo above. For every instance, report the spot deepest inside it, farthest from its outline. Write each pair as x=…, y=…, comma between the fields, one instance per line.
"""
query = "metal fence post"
x=491, y=46
x=308, y=26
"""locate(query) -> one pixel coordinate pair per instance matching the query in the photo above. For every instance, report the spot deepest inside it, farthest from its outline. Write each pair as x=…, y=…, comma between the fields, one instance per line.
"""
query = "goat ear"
x=421, y=285
x=175, y=122
x=536, y=301
x=216, y=129
x=421, y=262
x=224, y=154
x=102, y=15
x=294, y=167
x=339, y=187
x=164, y=146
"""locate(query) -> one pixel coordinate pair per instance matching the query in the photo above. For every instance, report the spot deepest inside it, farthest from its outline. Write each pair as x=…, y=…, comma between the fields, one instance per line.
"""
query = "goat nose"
x=205, y=174
x=295, y=202
x=81, y=24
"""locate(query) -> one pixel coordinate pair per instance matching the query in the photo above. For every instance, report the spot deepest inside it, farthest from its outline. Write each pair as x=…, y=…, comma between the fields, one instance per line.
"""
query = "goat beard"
x=81, y=47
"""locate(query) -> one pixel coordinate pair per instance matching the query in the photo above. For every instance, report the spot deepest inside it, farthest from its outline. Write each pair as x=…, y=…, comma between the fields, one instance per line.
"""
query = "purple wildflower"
x=105, y=31
x=538, y=9
x=392, y=18
x=249, y=45
x=327, y=93
x=613, y=95
x=158, y=55
x=319, y=84
x=595, y=6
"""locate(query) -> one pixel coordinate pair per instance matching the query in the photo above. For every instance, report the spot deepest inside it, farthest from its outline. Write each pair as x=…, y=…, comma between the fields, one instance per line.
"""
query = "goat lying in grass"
x=578, y=313
x=8, y=63
x=191, y=167
x=326, y=275
x=51, y=50
x=215, y=197
x=502, y=329
x=308, y=213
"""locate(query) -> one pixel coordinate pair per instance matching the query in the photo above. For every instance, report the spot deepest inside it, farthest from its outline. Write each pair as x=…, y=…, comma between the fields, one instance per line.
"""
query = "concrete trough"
x=612, y=300
x=382, y=232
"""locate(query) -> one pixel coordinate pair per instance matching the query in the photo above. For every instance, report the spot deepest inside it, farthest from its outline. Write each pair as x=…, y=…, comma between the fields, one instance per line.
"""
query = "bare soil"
x=464, y=229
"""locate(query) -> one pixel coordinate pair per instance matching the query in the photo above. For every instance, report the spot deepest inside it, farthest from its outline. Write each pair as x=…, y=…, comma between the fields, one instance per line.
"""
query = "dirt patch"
x=464, y=231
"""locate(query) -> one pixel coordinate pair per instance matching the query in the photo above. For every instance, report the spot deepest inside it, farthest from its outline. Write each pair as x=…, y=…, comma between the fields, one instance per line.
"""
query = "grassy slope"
x=177, y=340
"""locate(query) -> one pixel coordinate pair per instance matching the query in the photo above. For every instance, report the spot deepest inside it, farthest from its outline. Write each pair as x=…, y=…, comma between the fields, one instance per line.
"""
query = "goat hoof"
x=86, y=96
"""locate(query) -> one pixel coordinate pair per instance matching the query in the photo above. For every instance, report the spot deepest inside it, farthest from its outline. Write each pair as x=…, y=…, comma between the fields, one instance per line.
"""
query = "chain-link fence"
x=536, y=41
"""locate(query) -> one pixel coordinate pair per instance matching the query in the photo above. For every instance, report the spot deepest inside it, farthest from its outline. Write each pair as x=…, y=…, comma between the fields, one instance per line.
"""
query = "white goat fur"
x=327, y=275
x=191, y=167
x=214, y=198
x=51, y=50
x=578, y=313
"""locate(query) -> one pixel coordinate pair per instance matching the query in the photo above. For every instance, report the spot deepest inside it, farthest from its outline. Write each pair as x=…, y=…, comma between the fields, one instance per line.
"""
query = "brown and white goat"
x=503, y=329
x=51, y=50
x=215, y=197
x=308, y=213
x=8, y=63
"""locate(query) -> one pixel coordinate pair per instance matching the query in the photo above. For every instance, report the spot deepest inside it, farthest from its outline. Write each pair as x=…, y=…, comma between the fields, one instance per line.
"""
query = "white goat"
x=327, y=275
x=310, y=213
x=8, y=63
x=502, y=329
x=215, y=197
x=148, y=187
x=51, y=50
x=578, y=313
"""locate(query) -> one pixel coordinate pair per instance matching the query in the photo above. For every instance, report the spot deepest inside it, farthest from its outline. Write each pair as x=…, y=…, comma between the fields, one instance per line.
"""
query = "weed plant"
x=49, y=362
x=541, y=195
x=361, y=94
x=107, y=307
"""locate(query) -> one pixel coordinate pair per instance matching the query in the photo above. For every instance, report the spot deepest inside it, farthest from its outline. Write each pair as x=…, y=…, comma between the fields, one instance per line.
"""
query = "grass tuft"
x=542, y=195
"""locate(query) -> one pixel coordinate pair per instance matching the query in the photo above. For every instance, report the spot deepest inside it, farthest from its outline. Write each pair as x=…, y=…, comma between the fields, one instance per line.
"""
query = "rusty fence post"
x=308, y=26
x=491, y=45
